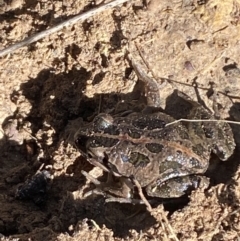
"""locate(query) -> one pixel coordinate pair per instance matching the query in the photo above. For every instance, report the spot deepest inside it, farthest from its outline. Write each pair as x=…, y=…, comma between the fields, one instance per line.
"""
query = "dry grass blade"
x=198, y=120
x=95, y=225
x=60, y=26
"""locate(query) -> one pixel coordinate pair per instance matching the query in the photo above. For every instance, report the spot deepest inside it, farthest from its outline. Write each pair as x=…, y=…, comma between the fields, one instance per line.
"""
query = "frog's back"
x=148, y=147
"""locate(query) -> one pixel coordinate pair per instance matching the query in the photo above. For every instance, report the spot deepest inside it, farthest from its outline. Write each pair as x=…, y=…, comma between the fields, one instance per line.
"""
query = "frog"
x=166, y=157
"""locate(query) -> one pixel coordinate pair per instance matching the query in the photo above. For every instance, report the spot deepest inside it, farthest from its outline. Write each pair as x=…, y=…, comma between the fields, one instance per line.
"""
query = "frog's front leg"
x=177, y=187
x=113, y=188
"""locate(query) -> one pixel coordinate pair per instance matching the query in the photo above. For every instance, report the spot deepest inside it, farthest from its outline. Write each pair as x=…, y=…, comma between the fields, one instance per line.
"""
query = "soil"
x=189, y=45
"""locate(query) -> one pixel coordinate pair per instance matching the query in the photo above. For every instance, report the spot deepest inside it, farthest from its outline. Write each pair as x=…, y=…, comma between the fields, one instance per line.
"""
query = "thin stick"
x=123, y=200
x=195, y=120
x=67, y=23
x=91, y=178
x=149, y=208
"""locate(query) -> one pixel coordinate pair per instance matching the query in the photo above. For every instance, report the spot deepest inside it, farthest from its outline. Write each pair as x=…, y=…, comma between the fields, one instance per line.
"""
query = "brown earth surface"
x=82, y=70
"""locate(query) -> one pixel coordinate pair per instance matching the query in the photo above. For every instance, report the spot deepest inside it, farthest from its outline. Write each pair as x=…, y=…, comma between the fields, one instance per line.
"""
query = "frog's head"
x=94, y=139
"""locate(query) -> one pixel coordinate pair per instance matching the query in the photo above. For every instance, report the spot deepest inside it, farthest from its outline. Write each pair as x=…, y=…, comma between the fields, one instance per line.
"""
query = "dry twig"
x=67, y=23
x=145, y=201
x=199, y=120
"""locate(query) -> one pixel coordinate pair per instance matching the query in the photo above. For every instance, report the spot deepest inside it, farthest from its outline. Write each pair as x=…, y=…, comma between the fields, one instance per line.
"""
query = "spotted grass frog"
x=167, y=160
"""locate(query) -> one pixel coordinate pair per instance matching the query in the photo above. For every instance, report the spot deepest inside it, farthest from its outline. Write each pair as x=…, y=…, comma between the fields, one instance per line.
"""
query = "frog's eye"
x=81, y=143
x=102, y=122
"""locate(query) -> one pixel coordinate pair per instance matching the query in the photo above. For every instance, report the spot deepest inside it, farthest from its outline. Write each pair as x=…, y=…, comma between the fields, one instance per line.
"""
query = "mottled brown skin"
x=166, y=160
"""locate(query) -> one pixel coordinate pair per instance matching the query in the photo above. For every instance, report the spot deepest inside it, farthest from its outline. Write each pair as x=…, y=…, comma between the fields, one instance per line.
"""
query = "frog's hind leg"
x=206, y=125
x=177, y=187
x=150, y=84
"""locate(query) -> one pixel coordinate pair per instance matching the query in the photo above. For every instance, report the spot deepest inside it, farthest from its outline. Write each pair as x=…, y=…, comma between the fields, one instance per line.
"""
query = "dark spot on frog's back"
x=179, y=153
x=148, y=123
x=154, y=147
x=138, y=159
x=103, y=141
x=134, y=133
x=112, y=130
